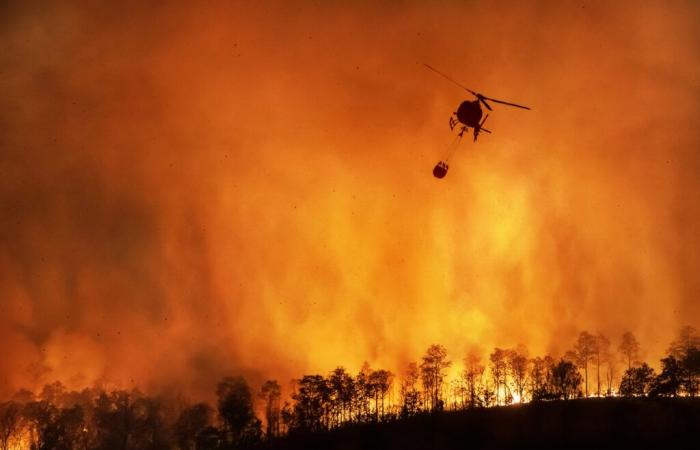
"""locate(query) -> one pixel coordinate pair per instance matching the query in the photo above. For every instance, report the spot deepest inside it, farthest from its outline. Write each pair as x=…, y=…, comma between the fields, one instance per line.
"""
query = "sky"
x=196, y=189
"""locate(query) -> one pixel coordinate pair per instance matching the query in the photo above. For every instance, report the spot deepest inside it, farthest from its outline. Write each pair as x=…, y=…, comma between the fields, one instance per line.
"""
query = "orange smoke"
x=190, y=191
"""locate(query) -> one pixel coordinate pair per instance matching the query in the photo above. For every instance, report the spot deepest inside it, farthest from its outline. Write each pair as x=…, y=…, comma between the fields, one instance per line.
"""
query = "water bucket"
x=440, y=169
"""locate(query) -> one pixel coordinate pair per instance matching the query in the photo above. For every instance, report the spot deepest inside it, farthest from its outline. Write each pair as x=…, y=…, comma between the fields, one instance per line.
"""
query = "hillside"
x=591, y=423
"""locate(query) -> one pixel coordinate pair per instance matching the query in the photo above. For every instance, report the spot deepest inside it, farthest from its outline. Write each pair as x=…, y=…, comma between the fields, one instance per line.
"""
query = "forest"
x=596, y=380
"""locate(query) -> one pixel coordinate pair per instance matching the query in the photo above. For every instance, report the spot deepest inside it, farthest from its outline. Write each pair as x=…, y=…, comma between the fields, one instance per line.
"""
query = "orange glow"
x=190, y=191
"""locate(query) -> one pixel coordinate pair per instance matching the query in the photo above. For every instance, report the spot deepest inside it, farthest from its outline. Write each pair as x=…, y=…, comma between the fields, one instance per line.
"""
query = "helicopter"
x=469, y=115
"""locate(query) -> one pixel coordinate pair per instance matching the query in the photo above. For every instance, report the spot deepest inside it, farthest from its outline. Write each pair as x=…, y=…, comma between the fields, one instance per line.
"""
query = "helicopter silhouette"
x=469, y=115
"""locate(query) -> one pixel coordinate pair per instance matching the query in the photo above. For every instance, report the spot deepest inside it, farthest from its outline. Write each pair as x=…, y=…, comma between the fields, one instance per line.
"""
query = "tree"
x=637, y=381
x=433, y=374
x=585, y=350
x=517, y=367
x=235, y=405
x=565, y=379
x=342, y=387
x=691, y=371
x=210, y=438
x=472, y=375
x=287, y=416
x=688, y=339
x=499, y=372
x=270, y=394
x=53, y=393
x=602, y=351
x=686, y=350
x=39, y=415
x=668, y=382
x=10, y=424
x=190, y=424
x=114, y=420
x=410, y=396
x=54, y=428
x=150, y=430
x=311, y=400
x=605, y=356
x=71, y=428
x=488, y=394
x=381, y=382
x=629, y=348
x=363, y=392
x=459, y=392
x=540, y=378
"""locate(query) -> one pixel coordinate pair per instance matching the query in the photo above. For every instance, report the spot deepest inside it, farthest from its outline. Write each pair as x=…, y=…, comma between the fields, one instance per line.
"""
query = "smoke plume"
x=197, y=189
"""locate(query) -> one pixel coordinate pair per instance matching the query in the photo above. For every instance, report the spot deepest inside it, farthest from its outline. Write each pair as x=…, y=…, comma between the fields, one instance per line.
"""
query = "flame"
x=517, y=399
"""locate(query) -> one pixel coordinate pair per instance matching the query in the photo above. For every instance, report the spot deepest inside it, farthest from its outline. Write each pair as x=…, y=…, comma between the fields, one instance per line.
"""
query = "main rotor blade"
x=506, y=103
x=481, y=99
x=447, y=77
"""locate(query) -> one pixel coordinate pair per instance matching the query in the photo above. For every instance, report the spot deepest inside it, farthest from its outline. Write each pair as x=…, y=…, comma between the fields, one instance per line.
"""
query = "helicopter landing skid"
x=453, y=123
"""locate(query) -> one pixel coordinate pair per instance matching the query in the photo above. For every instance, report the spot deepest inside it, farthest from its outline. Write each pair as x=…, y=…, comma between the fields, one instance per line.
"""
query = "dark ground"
x=586, y=423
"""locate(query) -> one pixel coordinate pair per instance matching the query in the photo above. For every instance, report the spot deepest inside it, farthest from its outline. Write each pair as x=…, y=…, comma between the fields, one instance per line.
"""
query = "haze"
x=200, y=189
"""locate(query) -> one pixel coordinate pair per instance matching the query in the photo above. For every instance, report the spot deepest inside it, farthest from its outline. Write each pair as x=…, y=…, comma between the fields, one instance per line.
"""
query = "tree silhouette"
x=668, y=382
x=540, y=371
x=381, y=382
x=472, y=375
x=210, y=438
x=629, y=348
x=53, y=393
x=287, y=417
x=691, y=370
x=565, y=379
x=488, y=395
x=686, y=350
x=410, y=396
x=71, y=428
x=92, y=419
x=364, y=391
x=342, y=388
x=605, y=356
x=56, y=429
x=688, y=338
x=458, y=393
x=39, y=415
x=499, y=372
x=585, y=350
x=433, y=374
x=311, y=399
x=518, y=368
x=190, y=424
x=637, y=381
x=150, y=431
x=270, y=394
x=602, y=352
x=10, y=424
x=115, y=420
x=235, y=405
